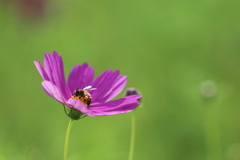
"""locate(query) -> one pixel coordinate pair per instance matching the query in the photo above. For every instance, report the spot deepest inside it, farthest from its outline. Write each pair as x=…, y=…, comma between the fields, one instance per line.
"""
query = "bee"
x=83, y=95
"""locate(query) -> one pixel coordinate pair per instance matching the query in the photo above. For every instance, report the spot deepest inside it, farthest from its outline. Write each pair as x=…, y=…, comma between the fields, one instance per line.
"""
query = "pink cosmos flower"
x=82, y=92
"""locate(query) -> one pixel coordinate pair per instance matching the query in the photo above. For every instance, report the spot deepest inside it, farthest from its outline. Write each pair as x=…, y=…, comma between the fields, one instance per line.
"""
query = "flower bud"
x=132, y=91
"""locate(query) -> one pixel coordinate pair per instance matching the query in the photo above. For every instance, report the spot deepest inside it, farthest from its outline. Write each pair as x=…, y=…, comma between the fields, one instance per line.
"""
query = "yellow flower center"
x=83, y=96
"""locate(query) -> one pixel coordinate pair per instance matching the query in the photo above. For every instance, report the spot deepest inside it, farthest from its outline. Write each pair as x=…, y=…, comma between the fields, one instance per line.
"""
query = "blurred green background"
x=166, y=48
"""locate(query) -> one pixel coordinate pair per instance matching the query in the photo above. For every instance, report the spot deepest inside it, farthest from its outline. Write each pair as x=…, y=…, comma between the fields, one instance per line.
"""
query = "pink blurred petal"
x=118, y=86
x=41, y=70
x=119, y=106
x=107, y=85
x=48, y=66
x=53, y=91
x=109, y=113
x=76, y=104
x=80, y=77
x=54, y=68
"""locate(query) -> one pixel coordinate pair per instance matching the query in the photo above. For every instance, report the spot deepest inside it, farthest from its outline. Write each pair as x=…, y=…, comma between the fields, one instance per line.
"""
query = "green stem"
x=132, y=138
x=212, y=133
x=67, y=139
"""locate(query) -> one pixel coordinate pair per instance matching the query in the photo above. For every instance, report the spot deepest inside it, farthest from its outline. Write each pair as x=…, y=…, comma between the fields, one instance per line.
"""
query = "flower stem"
x=212, y=131
x=67, y=139
x=132, y=138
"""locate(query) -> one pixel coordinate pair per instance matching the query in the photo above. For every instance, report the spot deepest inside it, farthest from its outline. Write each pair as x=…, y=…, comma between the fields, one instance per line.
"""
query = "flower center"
x=82, y=95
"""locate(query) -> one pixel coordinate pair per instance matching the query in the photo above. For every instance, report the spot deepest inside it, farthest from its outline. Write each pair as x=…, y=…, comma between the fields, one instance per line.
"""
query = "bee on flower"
x=82, y=93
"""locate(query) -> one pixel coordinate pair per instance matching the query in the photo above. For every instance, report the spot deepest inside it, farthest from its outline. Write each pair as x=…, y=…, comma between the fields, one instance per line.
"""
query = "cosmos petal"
x=109, y=113
x=41, y=70
x=54, y=68
x=53, y=91
x=108, y=85
x=76, y=104
x=48, y=66
x=80, y=77
x=119, y=106
x=118, y=86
